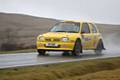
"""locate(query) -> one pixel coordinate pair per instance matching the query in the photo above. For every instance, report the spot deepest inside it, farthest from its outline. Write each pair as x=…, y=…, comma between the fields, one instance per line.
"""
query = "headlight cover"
x=65, y=39
x=41, y=38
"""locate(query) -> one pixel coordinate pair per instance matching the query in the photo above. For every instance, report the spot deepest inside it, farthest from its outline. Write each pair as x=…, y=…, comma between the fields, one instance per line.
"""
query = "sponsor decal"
x=86, y=38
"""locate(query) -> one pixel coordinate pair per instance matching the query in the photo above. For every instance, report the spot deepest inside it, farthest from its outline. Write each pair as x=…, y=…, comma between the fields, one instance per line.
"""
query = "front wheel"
x=77, y=48
x=65, y=53
x=41, y=52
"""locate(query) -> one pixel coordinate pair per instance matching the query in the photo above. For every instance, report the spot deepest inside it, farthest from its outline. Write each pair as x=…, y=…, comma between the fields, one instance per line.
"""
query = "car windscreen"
x=71, y=27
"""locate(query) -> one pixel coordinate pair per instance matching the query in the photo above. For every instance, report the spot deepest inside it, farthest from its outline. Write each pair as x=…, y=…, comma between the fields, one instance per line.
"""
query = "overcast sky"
x=105, y=11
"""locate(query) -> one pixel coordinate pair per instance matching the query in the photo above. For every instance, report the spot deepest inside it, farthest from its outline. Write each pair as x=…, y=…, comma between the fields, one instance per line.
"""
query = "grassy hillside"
x=108, y=28
x=102, y=69
x=19, y=31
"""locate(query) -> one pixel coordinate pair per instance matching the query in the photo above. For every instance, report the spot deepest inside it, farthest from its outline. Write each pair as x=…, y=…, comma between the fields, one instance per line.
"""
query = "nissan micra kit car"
x=71, y=37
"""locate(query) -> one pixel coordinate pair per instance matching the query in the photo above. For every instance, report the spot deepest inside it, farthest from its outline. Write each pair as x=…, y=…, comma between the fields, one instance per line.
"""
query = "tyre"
x=65, y=53
x=99, y=47
x=77, y=48
x=41, y=52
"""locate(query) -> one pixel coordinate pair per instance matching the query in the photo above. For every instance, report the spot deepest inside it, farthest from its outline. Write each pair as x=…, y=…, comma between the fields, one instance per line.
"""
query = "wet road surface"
x=30, y=59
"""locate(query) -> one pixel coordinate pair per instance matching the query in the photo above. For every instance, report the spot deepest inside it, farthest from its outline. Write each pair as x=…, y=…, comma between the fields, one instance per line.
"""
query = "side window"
x=94, y=30
x=85, y=28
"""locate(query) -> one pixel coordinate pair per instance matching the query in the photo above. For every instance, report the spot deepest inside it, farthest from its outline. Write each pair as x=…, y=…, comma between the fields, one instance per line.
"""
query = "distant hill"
x=19, y=31
x=22, y=29
x=108, y=27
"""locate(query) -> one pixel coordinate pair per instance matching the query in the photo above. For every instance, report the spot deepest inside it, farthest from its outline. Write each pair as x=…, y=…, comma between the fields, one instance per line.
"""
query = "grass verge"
x=18, y=51
x=101, y=69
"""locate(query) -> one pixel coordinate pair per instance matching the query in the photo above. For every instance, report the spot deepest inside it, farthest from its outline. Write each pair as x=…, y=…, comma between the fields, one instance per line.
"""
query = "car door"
x=87, y=38
x=95, y=34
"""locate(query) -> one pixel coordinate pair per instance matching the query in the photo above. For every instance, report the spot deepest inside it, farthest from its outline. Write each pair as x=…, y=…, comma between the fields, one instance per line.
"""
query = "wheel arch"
x=78, y=39
x=100, y=42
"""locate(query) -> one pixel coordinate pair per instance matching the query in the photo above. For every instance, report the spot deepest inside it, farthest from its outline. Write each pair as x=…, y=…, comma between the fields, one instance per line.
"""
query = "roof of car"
x=77, y=21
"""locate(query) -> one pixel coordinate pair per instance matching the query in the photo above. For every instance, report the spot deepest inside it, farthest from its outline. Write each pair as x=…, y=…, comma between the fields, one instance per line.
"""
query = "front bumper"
x=63, y=46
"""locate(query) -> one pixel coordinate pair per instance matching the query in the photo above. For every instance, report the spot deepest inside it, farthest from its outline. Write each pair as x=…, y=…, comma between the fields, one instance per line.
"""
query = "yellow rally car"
x=71, y=36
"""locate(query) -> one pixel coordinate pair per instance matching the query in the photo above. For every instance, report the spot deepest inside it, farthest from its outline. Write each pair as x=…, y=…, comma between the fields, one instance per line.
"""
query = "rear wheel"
x=99, y=48
x=77, y=48
x=41, y=52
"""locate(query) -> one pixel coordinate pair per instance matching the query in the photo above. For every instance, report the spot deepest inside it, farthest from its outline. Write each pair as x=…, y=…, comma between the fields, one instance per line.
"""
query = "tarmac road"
x=30, y=59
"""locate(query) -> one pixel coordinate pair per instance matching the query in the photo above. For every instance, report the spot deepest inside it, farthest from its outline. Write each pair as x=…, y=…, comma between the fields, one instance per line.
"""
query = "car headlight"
x=41, y=38
x=65, y=39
